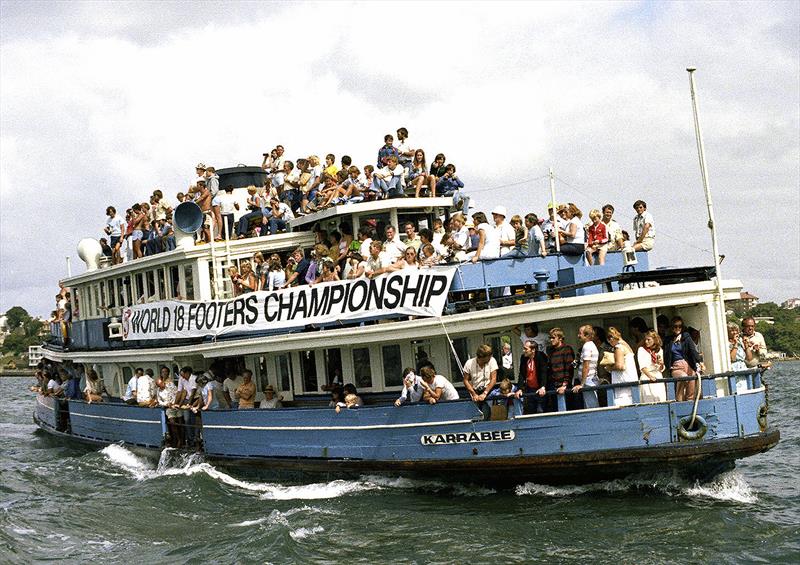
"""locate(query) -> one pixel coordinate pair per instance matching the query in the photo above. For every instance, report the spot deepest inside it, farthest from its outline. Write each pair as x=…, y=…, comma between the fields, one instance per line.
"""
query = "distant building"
x=766, y=319
x=748, y=300
x=34, y=355
x=791, y=304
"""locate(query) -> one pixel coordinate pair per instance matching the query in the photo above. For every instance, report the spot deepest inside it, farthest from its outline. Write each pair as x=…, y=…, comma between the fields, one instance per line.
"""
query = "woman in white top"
x=572, y=237
x=624, y=368
x=488, y=239
x=651, y=364
x=590, y=355
x=276, y=277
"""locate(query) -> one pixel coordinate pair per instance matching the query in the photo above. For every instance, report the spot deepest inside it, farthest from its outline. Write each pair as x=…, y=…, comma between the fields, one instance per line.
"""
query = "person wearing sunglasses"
x=683, y=358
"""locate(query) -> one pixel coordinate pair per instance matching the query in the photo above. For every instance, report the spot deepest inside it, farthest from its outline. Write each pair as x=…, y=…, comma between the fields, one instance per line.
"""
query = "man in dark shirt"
x=533, y=378
x=561, y=366
x=299, y=275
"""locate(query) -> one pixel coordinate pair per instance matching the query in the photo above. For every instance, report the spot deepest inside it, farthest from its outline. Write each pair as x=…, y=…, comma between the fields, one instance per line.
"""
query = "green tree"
x=17, y=317
x=23, y=331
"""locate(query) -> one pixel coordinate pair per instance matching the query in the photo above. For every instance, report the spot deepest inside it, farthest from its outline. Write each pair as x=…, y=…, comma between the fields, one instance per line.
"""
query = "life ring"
x=700, y=428
x=762, y=417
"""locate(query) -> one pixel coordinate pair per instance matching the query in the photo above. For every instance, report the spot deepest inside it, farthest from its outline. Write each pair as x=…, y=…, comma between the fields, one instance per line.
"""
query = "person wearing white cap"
x=504, y=230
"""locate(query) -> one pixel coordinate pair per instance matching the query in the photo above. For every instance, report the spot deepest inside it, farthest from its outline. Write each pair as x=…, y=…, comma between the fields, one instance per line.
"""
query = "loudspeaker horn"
x=188, y=219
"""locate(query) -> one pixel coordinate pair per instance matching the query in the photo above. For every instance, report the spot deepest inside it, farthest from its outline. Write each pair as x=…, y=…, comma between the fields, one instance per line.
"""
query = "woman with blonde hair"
x=248, y=278
x=572, y=236
x=651, y=364
x=276, y=277
x=624, y=368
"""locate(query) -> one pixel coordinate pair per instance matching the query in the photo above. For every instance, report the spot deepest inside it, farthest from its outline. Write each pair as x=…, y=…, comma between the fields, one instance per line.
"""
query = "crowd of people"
x=308, y=184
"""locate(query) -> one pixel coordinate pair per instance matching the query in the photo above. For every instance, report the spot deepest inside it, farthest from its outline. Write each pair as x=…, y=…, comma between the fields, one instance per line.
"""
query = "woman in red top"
x=596, y=239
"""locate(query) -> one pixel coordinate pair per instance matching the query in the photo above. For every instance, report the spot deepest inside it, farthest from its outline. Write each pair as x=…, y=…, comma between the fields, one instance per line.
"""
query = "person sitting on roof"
x=386, y=151
x=281, y=213
x=449, y=182
x=613, y=229
x=536, y=241
x=488, y=239
x=437, y=387
x=643, y=229
x=438, y=167
x=312, y=183
x=389, y=180
x=571, y=237
x=270, y=401
x=596, y=239
x=419, y=177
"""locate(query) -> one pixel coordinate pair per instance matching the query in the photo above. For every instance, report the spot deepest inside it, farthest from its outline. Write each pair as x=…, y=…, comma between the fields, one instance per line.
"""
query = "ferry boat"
x=176, y=309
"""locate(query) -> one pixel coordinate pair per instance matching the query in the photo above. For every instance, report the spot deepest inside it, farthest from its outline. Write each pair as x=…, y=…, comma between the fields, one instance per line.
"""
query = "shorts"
x=647, y=243
x=137, y=235
x=207, y=219
x=216, y=200
x=114, y=241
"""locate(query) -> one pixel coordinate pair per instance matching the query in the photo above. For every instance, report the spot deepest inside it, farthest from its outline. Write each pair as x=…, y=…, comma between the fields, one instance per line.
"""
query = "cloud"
x=102, y=102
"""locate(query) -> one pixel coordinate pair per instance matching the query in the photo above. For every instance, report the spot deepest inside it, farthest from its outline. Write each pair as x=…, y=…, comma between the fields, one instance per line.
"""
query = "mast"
x=553, y=204
x=723, y=352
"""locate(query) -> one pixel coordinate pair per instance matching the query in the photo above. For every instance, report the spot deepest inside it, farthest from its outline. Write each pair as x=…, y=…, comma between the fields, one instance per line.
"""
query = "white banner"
x=409, y=292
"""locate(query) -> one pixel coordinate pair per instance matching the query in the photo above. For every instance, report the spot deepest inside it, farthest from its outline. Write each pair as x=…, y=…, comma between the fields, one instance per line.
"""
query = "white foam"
x=430, y=485
x=729, y=487
x=301, y=533
x=128, y=461
x=23, y=531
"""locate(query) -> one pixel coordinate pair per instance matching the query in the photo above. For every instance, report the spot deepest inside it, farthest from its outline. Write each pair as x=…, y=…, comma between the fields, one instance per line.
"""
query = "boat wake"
x=729, y=487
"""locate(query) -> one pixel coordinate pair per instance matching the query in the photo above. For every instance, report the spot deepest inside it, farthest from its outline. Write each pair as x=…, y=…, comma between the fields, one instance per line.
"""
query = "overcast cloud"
x=102, y=102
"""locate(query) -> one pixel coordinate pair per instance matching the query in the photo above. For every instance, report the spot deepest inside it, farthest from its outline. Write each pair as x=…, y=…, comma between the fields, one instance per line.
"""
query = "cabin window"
x=121, y=291
x=283, y=367
x=308, y=368
x=174, y=281
x=333, y=366
x=421, y=348
x=362, y=370
x=139, y=290
x=128, y=291
x=461, y=345
x=162, y=283
x=392, y=365
x=102, y=303
x=151, y=284
x=497, y=341
x=263, y=376
x=112, y=294
x=188, y=276
x=127, y=373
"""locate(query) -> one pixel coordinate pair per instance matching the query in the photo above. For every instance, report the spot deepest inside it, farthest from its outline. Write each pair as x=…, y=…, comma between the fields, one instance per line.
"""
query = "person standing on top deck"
x=405, y=153
x=536, y=241
x=533, y=378
x=505, y=233
x=480, y=376
x=561, y=367
x=114, y=228
x=643, y=229
x=204, y=201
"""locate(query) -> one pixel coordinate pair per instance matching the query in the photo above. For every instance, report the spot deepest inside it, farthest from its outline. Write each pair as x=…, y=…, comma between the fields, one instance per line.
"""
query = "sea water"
x=62, y=501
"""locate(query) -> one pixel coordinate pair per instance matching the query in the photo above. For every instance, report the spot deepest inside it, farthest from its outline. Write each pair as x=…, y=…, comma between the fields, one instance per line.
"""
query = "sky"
x=102, y=102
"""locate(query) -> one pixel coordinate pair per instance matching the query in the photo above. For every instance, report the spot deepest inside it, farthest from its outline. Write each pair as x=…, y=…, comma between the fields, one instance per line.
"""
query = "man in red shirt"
x=533, y=378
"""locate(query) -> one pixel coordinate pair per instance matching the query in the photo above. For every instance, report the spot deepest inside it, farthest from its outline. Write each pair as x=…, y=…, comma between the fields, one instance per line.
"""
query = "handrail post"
x=610, y=397
x=562, y=402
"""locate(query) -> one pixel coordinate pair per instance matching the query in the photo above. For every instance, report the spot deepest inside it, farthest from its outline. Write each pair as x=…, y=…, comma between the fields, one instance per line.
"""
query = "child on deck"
x=596, y=239
x=350, y=402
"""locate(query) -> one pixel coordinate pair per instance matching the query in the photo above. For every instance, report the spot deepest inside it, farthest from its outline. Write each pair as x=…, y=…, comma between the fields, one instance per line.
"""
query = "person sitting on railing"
x=448, y=183
x=589, y=359
x=355, y=186
x=94, y=389
x=533, y=378
x=437, y=387
x=330, y=165
x=268, y=164
x=572, y=236
x=624, y=368
x=741, y=351
x=438, y=167
x=488, y=239
x=561, y=368
x=613, y=229
x=386, y=151
x=683, y=359
x=596, y=239
x=389, y=180
x=413, y=388
x=480, y=376
x=650, y=359
x=643, y=228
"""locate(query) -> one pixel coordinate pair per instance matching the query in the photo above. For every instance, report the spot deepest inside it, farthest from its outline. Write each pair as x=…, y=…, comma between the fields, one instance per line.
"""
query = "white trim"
x=314, y=428
x=115, y=419
x=599, y=409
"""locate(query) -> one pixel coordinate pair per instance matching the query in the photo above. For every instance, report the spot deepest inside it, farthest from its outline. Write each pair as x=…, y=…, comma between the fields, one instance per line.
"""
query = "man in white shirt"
x=229, y=386
x=114, y=228
x=643, y=229
x=504, y=230
x=187, y=383
x=404, y=150
x=589, y=358
x=756, y=340
x=613, y=229
x=412, y=239
x=413, y=389
x=480, y=376
x=281, y=213
x=438, y=387
x=389, y=180
x=133, y=385
x=531, y=332
x=393, y=248
x=146, y=389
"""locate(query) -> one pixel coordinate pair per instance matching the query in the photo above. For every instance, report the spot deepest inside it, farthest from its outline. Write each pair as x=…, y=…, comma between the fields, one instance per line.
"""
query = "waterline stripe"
x=314, y=428
x=115, y=419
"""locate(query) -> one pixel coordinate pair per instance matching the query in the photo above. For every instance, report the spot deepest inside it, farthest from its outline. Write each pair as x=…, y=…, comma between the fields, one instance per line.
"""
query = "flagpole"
x=723, y=349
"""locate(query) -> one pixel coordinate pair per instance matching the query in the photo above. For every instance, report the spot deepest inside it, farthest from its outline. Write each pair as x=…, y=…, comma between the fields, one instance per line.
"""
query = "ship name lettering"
x=467, y=437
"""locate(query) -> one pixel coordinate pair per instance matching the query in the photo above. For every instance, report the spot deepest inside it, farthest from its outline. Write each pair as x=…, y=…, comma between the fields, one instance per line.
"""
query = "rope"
x=696, y=398
x=452, y=347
